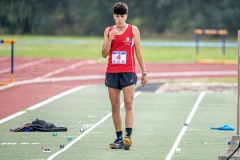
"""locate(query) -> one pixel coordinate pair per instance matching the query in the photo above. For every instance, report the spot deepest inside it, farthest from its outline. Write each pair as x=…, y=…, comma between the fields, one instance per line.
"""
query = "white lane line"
x=94, y=77
x=15, y=143
x=51, y=80
x=184, y=128
x=72, y=66
x=86, y=132
x=193, y=73
x=26, y=65
x=44, y=79
x=12, y=116
x=49, y=100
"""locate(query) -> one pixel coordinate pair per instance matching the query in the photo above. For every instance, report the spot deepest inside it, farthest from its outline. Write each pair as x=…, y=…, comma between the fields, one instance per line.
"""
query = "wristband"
x=144, y=73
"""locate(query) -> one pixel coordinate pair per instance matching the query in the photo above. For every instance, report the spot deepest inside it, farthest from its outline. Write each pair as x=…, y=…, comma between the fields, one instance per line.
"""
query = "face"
x=120, y=20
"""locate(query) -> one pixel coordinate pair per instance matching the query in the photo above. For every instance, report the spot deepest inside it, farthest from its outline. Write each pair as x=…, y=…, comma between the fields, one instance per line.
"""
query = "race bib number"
x=119, y=57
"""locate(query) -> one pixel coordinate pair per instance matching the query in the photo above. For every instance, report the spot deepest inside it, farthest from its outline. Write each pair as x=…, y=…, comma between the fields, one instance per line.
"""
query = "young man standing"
x=120, y=42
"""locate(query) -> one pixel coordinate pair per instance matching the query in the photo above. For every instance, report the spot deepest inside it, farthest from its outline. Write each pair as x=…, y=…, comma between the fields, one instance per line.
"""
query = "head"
x=120, y=13
x=120, y=8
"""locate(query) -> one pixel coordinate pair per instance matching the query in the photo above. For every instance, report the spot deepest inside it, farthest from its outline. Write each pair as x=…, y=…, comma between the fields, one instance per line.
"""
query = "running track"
x=39, y=79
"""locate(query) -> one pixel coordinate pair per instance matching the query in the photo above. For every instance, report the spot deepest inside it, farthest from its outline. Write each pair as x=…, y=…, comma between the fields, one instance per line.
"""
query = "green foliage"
x=90, y=18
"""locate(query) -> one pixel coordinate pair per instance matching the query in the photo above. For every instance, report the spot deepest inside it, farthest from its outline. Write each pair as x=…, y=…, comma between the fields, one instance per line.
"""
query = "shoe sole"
x=112, y=146
x=127, y=143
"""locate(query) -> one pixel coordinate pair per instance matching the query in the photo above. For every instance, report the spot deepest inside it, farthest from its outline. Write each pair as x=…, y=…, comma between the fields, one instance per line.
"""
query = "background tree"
x=91, y=17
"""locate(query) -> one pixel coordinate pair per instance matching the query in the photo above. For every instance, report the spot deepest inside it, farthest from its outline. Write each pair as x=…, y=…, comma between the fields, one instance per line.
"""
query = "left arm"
x=139, y=55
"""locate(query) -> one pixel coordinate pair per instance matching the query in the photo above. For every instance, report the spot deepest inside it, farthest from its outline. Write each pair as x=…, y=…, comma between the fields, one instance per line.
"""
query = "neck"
x=121, y=28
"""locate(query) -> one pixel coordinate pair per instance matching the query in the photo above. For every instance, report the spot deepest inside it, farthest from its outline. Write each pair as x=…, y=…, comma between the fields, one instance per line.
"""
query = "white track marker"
x=184, y=128
x=42, y=103
x=23, y=143
x=86, y=132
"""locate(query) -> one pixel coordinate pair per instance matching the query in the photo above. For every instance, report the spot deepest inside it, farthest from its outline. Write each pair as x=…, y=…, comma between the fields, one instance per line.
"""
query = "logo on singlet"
x=127, y=41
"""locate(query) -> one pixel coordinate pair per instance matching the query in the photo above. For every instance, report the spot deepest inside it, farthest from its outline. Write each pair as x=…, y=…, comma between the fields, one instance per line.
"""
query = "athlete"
x=120, y=42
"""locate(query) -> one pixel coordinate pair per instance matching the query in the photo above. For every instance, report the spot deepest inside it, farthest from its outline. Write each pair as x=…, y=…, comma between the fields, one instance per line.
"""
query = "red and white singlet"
x=121, y=57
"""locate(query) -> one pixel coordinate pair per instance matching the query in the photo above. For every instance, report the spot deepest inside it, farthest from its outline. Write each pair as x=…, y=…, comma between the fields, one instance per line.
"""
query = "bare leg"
x=114, y=95
x=128, y=93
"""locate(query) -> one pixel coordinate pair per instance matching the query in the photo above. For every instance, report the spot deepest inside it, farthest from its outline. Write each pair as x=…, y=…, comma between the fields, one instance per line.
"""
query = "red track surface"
x=20, y=97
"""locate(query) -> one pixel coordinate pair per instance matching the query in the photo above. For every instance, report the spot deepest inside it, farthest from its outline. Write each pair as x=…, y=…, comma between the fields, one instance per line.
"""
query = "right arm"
x=108, y=41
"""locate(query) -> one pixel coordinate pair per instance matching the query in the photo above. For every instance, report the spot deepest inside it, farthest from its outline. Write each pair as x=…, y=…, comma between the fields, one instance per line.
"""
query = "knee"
x=128, y=105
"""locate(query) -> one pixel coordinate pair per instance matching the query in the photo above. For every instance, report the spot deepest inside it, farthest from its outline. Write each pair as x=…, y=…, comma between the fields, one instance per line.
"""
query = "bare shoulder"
x=135, y=30
x=134, y=26
x=106, y=31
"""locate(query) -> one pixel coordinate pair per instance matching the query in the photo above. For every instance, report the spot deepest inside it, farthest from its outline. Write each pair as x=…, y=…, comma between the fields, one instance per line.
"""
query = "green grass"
x=86, y=51
x=215, y=53
x=92, y=50
x=168, y=54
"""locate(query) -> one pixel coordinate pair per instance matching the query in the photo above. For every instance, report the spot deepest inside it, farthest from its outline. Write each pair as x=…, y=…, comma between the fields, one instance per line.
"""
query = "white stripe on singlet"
x=132, y=55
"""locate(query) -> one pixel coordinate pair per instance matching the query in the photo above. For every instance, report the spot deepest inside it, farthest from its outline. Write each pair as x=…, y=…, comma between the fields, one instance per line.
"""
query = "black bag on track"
x=39, y=126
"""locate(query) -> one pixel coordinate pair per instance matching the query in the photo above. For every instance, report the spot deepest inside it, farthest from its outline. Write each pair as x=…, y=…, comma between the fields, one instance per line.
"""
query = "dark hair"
x=120, y=8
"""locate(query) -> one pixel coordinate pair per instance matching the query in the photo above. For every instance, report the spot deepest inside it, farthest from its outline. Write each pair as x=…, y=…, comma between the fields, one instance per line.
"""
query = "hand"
x=144, y=80
x=112, y=33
